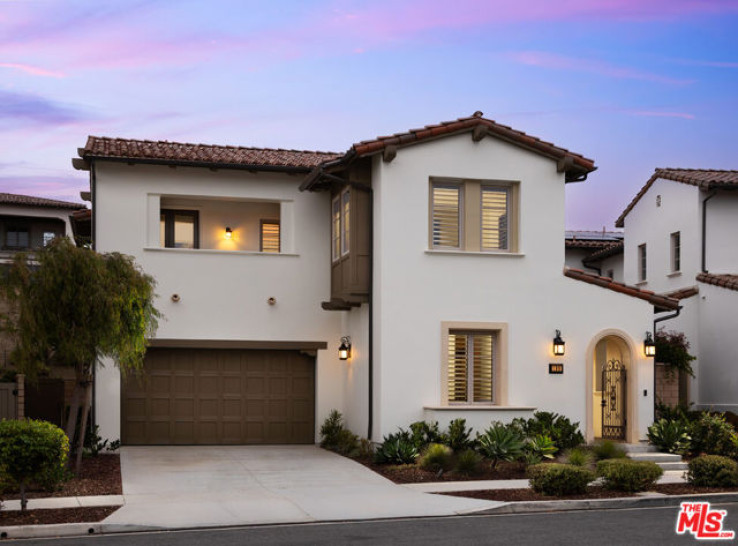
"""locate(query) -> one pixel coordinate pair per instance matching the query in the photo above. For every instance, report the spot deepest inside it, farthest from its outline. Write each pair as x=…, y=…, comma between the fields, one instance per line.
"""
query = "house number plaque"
x=555, y=368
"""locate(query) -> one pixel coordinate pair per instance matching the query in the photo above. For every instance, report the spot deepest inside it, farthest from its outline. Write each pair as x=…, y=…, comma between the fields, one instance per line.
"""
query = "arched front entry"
x=609, y=404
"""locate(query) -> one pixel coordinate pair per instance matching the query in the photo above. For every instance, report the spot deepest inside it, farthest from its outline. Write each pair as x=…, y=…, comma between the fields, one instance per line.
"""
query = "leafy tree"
x=672, y=349
x=72, y=306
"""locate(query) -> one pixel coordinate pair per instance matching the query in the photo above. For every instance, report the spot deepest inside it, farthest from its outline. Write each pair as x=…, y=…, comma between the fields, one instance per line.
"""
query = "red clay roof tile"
x=705, y=179
x=660, y=302
x=722, y=280
x=32, y=201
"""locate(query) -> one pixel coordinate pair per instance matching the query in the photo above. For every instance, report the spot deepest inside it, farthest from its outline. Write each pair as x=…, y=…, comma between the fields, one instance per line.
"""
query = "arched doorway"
x=610, y=367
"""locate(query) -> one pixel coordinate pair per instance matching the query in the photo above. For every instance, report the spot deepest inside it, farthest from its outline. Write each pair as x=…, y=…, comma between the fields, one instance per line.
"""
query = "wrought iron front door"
x=613, y=401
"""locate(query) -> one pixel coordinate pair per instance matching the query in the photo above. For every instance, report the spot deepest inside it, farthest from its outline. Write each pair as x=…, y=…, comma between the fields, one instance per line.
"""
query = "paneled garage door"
x=220, y=396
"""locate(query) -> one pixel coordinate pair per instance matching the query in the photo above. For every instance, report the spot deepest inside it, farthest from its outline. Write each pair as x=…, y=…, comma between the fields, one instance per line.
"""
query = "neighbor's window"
x=179, y=229
x=642, y=267
x=340, y=224
x=269, y=236
x=472, y=215
x=676, y=253
x=345, y=220
x=336, y=228
x=470, y=366
x=48, y=236
x=17, y=238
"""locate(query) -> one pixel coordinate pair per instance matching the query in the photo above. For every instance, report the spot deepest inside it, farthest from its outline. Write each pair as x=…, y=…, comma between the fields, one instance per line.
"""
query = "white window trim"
x=642, y=263
x=672, y=254
x=335, y=237
x=499, y=373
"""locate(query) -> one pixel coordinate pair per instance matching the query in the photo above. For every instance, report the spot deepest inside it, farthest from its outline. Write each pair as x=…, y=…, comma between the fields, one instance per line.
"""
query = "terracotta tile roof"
x=705, y=179
x=610, y=250
x=32, y=201
x=193, y=154
x=683, y=293
x=574, y=165
x=660, y=302
x=725, y=281
x=413, y=136
x=587, y=243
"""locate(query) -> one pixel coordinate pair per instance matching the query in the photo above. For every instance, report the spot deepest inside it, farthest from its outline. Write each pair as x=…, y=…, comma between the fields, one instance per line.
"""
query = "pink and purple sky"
x=633, y=84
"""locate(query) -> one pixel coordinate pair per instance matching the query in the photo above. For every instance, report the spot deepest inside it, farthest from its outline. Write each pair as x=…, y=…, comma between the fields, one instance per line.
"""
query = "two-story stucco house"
x=432, y=258
x=680, y=240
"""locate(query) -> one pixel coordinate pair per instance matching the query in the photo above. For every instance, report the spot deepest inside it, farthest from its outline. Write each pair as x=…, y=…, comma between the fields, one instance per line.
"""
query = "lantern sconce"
x=649, y=346
x=344, y=351
x=559, y=347
x=228, y=233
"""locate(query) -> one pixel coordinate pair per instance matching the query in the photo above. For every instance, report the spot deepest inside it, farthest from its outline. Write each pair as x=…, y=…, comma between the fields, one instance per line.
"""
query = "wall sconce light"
x=559, y=346
x=228, y=233
x=649, y=347
x=344, y=351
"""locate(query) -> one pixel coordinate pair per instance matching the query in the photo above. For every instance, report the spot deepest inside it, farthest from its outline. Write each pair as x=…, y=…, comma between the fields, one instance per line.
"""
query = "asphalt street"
x=628, y=527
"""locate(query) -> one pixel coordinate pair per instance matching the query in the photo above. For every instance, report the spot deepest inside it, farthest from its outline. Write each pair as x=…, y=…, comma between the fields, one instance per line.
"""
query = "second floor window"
x=642, y=265
x=472, y=215
x=676, y=258
x=340, y=224
x=179, y=229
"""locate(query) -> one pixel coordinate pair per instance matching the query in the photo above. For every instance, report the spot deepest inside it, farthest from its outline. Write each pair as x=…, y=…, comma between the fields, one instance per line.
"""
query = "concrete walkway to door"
x=193, y=486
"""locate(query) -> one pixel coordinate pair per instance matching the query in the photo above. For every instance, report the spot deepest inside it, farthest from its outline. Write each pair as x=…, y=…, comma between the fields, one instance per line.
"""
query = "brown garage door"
x=221, y=396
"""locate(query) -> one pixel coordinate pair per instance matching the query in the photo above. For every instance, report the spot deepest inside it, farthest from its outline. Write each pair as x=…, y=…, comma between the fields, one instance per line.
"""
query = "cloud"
x=593, y=66
x=650, y=113
x=26, y=107
x=33, y=70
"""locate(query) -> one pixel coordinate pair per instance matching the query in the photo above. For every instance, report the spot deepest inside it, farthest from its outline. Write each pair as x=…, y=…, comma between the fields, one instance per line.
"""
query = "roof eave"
x=89, y=158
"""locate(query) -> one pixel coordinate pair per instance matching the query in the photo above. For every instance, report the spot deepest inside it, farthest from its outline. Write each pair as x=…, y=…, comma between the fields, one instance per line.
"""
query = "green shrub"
x=30, y=451
x=713, y=471
x=607, y=449
x=670, y=436
x=680, y=412
x=423, y=434
x=437, y=457
x=336, y=437
x=397, y=448
x=579, y=456
x=541, y=446
x=627, y=475
x=459, y=437
x=560, y=429
x=712, y=434
x=500, y=443
x=468, y=462
x=559, y=479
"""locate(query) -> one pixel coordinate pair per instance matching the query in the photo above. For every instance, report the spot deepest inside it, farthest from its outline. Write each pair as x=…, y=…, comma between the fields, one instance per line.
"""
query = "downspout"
x=704, y=229
x=93, y=216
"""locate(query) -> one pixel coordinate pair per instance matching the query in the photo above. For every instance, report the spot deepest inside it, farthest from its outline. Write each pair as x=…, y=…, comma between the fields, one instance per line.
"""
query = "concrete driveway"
x=192, y=486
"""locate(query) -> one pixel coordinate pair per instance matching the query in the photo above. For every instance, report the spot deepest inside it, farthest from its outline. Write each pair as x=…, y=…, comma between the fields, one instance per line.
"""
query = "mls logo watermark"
x=703, y=523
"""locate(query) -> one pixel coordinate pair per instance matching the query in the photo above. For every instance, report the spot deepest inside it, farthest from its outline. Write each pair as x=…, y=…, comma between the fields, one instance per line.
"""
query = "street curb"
x=72, y=530
x=529, y=507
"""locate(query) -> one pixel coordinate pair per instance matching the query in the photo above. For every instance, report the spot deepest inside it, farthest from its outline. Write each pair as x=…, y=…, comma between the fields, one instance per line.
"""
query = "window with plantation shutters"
x=494, y=218
x=470, y=367
x=445, y=228
x=269, y=236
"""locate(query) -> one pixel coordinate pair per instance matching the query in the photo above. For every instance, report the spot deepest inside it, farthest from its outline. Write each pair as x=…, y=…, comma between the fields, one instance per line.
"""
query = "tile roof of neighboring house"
x=705, y=179
x=32, y=201
x=683, y=293
x=572, y=163
x=660, y=302
x=610, y=250
x=725, y=281
x=165, y=152
x=588, y=235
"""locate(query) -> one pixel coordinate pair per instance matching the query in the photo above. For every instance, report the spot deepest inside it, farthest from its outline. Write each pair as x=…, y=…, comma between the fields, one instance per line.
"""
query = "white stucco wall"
x=680, y=210
x=718, y=357
x=722, y=227
x=417, y=289
x=223, y=294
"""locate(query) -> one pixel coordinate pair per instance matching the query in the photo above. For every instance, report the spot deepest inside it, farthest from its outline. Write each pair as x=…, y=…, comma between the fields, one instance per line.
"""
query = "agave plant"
x=396, y=448
x=542, y=446
x=500, y=443
x=669, y=436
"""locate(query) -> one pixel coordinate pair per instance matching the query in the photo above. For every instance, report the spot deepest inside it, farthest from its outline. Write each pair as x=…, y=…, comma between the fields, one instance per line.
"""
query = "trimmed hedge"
x=31, y=451
x=559, y=479
x=713, y=471
x=627, y=475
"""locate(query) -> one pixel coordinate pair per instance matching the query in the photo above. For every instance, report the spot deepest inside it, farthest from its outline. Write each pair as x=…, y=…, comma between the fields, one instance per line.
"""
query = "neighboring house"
x=597, y=252
x=26, y=224
x=433, y=256
x=680, y=240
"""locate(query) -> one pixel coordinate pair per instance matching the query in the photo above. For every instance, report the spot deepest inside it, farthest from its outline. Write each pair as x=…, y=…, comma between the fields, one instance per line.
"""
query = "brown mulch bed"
x=98, y=476
x=57, y=515
x=407, y=473
x=593, y=492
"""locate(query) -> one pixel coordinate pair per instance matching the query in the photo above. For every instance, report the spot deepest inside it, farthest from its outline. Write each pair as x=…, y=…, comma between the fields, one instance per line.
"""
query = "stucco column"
x=20, y=399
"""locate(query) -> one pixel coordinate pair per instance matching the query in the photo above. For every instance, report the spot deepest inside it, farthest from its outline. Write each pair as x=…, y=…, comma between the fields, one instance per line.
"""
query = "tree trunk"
x=24, y=500
x=73, y=412
x=83, y=424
